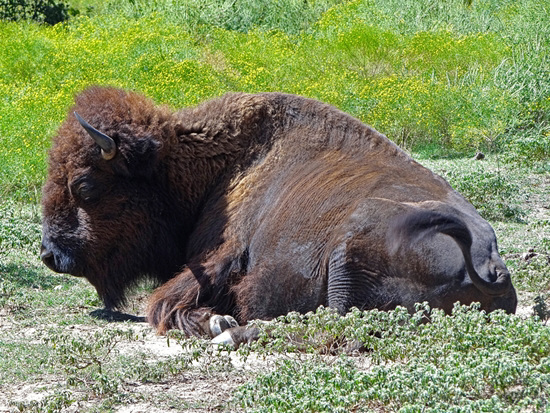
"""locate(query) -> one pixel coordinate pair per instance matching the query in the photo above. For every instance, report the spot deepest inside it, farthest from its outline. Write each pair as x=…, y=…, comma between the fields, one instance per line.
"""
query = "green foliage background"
x=436, y=76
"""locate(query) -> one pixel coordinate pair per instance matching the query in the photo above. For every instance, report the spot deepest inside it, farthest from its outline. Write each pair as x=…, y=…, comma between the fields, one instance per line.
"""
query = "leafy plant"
x=19, y=225
x=467, y=361
x=49, y=404
x=495, y=190
x=94, y=363
x=540, y=309
x=532, y=274
x=91, y=355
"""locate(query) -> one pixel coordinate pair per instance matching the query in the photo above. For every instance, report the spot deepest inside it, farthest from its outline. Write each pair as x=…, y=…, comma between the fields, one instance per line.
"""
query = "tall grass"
x=441, y=75
x=290, y=16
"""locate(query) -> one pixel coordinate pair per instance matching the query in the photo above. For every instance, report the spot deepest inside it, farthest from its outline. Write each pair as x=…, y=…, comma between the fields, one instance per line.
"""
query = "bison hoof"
x=224, y=338
x=218, y=324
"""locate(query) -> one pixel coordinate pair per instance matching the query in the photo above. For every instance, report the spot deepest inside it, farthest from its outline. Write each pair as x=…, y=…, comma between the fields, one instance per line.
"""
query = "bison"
x=249, y=206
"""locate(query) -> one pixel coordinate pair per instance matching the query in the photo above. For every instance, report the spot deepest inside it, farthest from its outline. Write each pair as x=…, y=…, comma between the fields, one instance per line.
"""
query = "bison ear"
x=141, y=156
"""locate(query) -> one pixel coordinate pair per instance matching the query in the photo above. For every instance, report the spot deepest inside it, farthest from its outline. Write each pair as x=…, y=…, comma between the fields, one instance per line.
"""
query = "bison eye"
x=85, y=190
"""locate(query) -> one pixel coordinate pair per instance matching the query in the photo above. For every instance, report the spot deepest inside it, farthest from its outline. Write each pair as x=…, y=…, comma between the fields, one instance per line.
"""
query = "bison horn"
x=107, y=144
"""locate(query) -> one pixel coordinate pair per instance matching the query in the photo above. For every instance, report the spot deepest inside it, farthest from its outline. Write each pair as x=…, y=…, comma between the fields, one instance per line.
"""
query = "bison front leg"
x=236, y=336
x=192, y=321
x=177, y=305
x=227, y=331
x=183, y=304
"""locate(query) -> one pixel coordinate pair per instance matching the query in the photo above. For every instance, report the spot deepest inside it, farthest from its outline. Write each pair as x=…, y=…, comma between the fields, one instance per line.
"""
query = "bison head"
x=107, y=211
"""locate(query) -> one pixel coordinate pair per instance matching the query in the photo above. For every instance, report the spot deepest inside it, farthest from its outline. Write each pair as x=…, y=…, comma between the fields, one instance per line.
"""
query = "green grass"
x=444, y=76
x=497, y=190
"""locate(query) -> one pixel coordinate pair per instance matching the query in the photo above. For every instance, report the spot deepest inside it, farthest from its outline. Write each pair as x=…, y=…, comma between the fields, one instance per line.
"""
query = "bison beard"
x=251, y=206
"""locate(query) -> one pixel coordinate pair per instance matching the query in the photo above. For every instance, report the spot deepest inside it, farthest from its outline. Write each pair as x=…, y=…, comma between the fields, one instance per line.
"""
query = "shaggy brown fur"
x=254, y=206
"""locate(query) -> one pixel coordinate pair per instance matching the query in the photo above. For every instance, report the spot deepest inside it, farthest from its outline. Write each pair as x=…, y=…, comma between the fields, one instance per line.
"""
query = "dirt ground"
x=193, y=389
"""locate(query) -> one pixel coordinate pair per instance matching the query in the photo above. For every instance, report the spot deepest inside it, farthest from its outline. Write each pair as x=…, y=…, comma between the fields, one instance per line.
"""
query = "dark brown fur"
x=254, y=206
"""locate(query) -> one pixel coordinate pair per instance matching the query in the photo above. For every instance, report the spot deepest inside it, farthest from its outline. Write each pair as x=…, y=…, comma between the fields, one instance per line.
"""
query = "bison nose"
x=47, y=257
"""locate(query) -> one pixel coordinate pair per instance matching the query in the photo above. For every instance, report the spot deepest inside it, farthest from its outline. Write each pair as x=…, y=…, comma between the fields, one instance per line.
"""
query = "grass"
x=444, y=80
x=496, y=190
x=451, y=77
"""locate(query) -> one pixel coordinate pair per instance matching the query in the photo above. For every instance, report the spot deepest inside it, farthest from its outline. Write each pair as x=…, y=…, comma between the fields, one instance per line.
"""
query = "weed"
x=493, y=190
x=49, y=404
x=540, y=309
x=94, y=363
x=532, y=274
x=84, y=359
x=467, y=361
x=20, y=225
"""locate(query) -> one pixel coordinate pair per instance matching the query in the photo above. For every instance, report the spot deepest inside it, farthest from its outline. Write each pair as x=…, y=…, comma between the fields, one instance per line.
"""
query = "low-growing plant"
x=19, y=225
x=540, y=308
x=86, y=358
x=53, y=403
x=494, y=195
x=22, y=358
x=469, y=361
x=493, y=189
x=211, y=359
x=94, y=362
x=532, y=274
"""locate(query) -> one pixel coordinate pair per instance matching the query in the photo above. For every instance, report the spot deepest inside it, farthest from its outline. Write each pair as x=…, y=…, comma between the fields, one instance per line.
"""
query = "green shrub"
x=43, y=11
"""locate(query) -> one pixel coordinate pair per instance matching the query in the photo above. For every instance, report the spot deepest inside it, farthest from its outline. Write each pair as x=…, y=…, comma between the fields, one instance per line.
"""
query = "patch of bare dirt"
x=203, y=387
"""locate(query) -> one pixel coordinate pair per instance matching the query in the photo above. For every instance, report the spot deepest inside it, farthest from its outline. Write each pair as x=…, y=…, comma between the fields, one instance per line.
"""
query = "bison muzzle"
x=249, y=206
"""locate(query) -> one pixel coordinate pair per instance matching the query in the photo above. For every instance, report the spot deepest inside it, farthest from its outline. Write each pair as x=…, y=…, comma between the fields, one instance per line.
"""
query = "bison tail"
x=419, y=225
